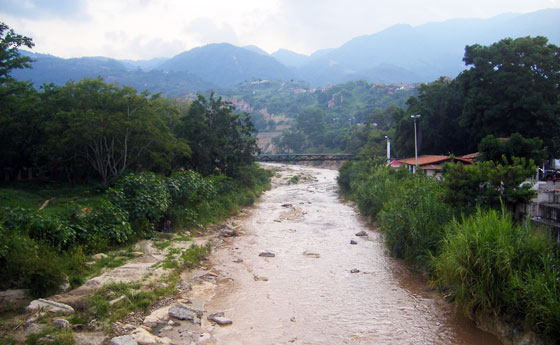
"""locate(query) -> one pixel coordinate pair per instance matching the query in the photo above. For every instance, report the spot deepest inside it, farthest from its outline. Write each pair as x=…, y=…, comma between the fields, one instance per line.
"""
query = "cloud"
x=205, y=31
x=35, y=9
x=141, y=46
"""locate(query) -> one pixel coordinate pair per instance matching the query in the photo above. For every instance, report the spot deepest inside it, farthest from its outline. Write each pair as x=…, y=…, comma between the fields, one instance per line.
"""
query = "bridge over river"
x=305, y=157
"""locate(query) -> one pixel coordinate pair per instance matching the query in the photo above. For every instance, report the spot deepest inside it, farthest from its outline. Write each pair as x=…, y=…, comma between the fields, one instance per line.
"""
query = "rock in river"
x=184, y=312
x=267, y=254
x=353, y=242
x=361, y=233
x=220, y=319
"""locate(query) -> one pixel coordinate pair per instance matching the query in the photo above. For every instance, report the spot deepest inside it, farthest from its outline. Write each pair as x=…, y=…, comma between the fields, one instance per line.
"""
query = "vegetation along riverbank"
x=92, y=167
x=477, y=255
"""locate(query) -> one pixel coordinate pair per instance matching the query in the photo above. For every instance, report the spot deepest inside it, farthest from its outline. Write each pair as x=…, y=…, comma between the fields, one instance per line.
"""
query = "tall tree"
x=10, y=58
x=18, y=105
x=111, y=128
x=513, y=86
x=219, y=138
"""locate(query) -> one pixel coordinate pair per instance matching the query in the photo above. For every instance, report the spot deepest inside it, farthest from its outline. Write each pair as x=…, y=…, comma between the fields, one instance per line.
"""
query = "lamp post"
x=388, y=150
x=414, y=117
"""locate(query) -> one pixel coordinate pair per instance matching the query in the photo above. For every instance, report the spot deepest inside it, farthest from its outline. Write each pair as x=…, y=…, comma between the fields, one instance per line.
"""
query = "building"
x=432, y=165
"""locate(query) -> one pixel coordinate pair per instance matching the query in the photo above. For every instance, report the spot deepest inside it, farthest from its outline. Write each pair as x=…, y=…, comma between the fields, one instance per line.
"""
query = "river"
x=306, y=293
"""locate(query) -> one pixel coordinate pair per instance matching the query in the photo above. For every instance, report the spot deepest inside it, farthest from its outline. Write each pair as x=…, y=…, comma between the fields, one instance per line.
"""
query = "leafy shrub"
x=26, y=262
x=39, y=226
x=102, y=223
x=145, y=197
x=413, y=219
x=487, y=262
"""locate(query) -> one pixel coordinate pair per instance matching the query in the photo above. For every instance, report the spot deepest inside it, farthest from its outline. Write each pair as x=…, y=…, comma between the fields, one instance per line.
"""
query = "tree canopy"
x=10, y=58
x=513, y=86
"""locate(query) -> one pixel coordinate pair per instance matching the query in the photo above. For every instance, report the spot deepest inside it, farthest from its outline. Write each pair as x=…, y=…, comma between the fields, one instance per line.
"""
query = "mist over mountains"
x=399, y=54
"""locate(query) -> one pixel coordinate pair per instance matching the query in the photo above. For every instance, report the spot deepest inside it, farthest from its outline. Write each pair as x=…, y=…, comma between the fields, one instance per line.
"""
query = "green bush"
x=413, y=219
x=144, y=196
x=490, y=263
x=29, y=263
x=98, y=226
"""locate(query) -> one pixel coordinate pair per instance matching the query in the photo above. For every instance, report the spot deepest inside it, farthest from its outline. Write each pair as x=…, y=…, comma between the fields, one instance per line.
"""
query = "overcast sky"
x=143, y=29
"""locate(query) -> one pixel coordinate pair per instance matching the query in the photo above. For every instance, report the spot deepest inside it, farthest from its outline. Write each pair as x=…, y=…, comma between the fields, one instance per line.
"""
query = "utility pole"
x=388, y=150
x=414, y=117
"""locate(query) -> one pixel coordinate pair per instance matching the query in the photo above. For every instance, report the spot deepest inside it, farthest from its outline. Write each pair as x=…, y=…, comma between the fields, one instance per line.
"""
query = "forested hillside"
x=330, y=113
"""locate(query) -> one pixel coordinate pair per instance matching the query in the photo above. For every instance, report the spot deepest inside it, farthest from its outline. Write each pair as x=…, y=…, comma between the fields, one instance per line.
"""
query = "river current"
x=307, y=293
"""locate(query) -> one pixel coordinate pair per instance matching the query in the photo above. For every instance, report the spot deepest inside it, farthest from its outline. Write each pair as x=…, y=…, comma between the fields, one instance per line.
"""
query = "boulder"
x=123, y=340
x=267, y=254
x=353, y=242
x=310, y=254
x=361, y=233
x=143, y=337
x=355, y=270
x=157, y=316
x=220, y=319
x=99, y=256
x=50, y=306
x=226, y=231
x=62, y=323
x=182, y=311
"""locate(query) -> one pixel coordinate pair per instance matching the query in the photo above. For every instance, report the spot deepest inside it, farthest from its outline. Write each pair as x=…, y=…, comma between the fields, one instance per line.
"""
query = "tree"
x=10, y=57
x=513, y=86
x=440, y=103
x=494, y=149
x=219, y=138
x=18, y=125
x=488, y=184
x=107, y=127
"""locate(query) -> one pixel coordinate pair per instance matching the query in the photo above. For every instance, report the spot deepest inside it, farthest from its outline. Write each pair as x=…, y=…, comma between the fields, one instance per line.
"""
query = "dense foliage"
x=116, y=147
x=38, y=246
x=485, y=261
x=319, y=119
x=512, y=86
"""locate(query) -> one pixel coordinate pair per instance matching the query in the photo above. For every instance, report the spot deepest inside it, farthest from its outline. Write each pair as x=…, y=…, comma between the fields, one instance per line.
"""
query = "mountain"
x=144, y=65
x=51, y=69
x=289, y=58
x=227, y=65
x=427, y=51
x=398, y=54
x=256, y=49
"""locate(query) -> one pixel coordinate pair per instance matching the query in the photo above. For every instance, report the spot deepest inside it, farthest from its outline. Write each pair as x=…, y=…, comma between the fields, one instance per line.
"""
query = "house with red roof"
x=432, y=165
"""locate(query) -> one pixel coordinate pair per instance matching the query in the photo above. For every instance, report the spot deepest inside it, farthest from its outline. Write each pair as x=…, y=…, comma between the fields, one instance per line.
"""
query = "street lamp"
x=388, y=150
x=414, y=117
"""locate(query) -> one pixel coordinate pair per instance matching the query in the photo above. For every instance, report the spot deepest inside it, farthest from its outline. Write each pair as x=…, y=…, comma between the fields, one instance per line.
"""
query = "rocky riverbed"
x=299, y=267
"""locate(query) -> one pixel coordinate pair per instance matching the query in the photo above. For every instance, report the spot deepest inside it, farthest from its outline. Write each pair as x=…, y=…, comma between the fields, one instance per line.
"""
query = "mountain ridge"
x=398, y=54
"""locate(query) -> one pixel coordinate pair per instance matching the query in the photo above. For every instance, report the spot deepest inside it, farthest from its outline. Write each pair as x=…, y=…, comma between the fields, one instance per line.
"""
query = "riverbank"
x=500, y=272
x=319, y=283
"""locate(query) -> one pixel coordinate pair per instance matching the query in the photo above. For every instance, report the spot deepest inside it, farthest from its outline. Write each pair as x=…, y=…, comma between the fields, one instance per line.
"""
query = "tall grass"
x=488, y=262
x=413, y=219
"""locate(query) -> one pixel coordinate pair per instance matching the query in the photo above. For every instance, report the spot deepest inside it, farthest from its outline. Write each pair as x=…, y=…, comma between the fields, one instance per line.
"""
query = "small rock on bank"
x=123, y=340
x=50, y=306
x=220, y=319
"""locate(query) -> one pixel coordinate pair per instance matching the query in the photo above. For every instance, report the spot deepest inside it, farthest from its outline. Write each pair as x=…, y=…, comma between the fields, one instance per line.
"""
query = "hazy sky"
x=141, y=29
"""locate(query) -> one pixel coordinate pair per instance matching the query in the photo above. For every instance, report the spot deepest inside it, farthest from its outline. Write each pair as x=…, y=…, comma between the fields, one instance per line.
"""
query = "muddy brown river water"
x=306, y=293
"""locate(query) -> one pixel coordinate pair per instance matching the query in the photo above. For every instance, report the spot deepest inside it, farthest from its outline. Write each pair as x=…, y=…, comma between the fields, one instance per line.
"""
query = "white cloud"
x=152, y=28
